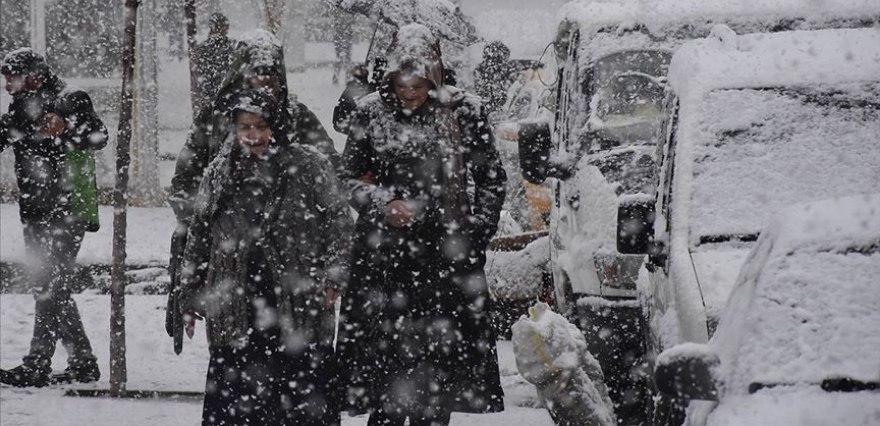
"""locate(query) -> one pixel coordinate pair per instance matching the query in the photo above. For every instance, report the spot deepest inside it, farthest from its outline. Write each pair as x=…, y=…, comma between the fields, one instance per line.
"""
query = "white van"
x=762, y=121
x=612, y=114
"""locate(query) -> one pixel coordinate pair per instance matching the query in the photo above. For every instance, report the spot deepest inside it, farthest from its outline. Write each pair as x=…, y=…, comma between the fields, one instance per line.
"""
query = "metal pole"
x=118, y=371
x=189, y=16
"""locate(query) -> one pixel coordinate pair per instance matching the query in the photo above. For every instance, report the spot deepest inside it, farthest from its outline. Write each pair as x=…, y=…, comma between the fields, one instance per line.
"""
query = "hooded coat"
x=40, y=167
x=267, y=239
x=302, y=227
x=260, y=53
x=415, y=331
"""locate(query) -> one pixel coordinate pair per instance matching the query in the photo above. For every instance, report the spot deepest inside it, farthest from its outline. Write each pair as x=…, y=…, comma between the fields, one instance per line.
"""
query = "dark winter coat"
x=213, y=125
x=43, y=180
x=212, y=58
x=494, y=75
x=414, y=330
x=299, y=230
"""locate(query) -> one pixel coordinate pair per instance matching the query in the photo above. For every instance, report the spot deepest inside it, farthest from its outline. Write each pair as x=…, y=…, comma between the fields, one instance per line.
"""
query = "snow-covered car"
x=798, y=339
x=762, y=121
x=613, y=114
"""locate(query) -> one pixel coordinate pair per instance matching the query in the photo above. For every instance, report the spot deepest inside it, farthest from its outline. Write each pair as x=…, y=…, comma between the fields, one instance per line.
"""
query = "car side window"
x=667, y=157
x=568, y=94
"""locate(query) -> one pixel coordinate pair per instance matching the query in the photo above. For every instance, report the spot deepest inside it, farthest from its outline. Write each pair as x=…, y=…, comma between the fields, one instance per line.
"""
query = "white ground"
x=152, y=365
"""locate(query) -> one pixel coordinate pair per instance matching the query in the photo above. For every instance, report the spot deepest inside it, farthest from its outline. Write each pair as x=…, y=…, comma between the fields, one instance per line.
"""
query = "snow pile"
x=517, y=275
x=552, y=354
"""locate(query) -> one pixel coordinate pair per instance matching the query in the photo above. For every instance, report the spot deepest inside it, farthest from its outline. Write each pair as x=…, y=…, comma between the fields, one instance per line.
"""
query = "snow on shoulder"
x=767, y=60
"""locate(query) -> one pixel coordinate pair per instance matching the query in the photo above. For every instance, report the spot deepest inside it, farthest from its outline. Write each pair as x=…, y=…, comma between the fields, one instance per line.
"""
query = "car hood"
x=791, y=405
x=717, y=269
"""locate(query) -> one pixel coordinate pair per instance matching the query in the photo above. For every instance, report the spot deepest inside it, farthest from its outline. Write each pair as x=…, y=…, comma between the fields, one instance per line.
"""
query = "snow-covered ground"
x=152, y=365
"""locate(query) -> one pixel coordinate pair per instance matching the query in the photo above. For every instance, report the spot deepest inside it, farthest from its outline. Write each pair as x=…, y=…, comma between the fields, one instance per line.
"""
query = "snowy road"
x=152, y=365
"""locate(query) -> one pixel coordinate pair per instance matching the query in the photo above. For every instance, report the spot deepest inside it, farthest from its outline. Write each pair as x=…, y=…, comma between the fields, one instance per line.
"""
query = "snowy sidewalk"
x=152, y=365
x=149, y=237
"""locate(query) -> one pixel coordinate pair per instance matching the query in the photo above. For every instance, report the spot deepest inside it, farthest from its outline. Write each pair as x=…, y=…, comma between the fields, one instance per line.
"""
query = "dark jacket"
x=494, y=75
x=212, y=58
x=213, y=125
x=40, y=159
x=300, y=230
x=416, y=310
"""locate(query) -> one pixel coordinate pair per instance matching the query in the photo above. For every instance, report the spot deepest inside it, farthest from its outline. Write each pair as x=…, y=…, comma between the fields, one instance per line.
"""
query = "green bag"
x=83, y=187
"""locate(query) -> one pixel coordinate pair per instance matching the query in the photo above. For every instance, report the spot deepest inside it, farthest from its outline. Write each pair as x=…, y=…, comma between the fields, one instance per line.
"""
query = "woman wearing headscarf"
x=428, y=187
x=265, y=256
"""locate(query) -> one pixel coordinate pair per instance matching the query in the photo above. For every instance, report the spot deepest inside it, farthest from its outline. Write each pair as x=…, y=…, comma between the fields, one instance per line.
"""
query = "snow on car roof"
x=727, y=60
x=593, y=15
x=805, y=306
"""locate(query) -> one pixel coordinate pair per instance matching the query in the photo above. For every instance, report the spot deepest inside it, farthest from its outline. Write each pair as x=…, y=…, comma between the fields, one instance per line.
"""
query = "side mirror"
x=635, y=225
x=687, y=371
x=657, y=255
x=534, y=151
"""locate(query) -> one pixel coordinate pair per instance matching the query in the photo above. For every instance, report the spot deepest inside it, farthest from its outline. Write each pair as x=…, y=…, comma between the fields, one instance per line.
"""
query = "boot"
x=83, y=372
x=24, y=376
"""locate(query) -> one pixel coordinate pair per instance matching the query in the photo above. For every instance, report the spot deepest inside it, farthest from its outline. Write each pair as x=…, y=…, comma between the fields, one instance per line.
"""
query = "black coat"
x=39, y=159
x=415, y=318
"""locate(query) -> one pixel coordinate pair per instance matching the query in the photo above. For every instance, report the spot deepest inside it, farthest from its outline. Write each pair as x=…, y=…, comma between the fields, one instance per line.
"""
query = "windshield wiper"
x=846, y=384
x=838, y=384
x=723, y=238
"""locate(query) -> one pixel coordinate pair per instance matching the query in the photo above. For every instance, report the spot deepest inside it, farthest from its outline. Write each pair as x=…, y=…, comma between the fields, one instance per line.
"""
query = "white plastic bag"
x=552, y=354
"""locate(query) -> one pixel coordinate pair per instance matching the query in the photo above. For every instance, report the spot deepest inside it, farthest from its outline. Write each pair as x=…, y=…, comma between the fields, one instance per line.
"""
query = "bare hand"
x=189, y=321
x=53, y=125
x=397, y=214
x=330, y=298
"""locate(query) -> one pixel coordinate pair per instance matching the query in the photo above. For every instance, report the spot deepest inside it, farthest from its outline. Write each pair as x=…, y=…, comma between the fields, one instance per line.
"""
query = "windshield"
x=628, y=93
x=759, y=150
x=812, y=317
x=626, y=106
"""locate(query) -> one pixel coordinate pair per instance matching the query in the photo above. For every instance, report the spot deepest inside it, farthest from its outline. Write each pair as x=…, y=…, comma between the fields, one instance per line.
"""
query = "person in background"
x=212, y=59
x=265, y=257
x=494, y=75
x=52, y=133
x=428, y=186
x=343, y=37
x=359, y=83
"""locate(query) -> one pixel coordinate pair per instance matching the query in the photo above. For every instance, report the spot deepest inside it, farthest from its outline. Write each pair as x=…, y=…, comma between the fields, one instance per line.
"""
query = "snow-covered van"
x=761, y=122
x=797, y=342
x=612, y=114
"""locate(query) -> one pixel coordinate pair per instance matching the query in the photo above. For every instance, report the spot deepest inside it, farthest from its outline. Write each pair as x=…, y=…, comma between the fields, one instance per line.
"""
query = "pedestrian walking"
x=53, y=134
x=265, y=256
x=428, y=187
x=259, y=64
x=212, y=59
x=494, y=75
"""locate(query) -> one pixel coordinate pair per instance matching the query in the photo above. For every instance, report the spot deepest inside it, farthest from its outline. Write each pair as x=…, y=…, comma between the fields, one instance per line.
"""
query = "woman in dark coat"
x=265, y=255
x=428, y=187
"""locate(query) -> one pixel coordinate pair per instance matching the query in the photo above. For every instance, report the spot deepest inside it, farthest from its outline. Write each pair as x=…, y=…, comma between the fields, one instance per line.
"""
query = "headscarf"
x=415, y=51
